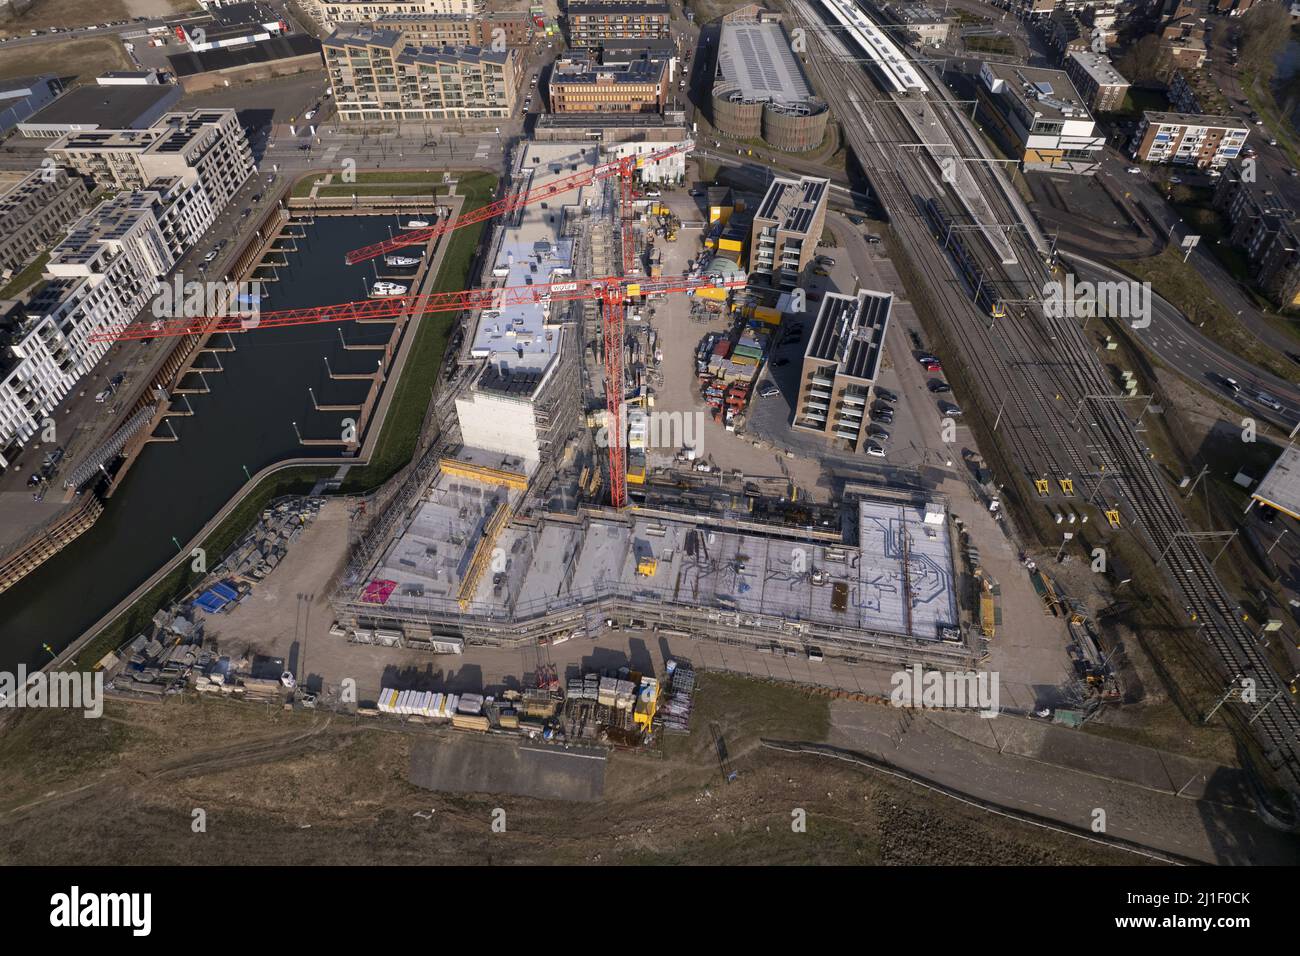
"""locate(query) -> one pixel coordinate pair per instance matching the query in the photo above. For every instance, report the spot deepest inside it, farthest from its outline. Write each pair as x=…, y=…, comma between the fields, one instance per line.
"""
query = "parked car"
x=885, y=395
x=938, y=386
x=874, y=450
x=768, y=389
x=949, y=409
x=872, y=239
x=1135, y=170
x=210, y=256
x=932, y=365
x=878, y=433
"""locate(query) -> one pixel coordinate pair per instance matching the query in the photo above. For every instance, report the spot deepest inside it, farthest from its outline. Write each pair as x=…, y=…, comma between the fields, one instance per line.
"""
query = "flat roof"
x=1194, y=119
x=1099, y=67
x=793, y=202
x=1280, y=488
x=523, y=339
x=756, y=63
x=850, y=331
x=1046, y=92
x=106, y=107
x=895, y=576
x=226, y=58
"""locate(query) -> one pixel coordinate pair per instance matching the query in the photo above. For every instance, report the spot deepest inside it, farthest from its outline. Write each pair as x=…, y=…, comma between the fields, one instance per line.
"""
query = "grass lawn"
x=1136, y=101
x=1183, y=286
x=25, y=278
x=998, y=45
x=396, y=189
x=413, y=391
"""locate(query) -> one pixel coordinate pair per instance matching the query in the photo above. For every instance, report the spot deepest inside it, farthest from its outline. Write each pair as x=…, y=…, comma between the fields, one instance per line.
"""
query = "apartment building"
x=36, y=212
x=494, y=28
x=786, y=229
x=840, y=365
x=1266, y=228
x=1189, y=139
x=591, y=22
x=1101, y=86
x=331, y=14
x=206, y=149
x=925, y=25
x=1196, y=91
x=581, y=83
x=1183, y=39
x=99, y=279
x=376, y=75
x=1039, y=114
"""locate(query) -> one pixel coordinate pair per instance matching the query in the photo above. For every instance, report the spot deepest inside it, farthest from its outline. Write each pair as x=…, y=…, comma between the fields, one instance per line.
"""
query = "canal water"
x=246, y=421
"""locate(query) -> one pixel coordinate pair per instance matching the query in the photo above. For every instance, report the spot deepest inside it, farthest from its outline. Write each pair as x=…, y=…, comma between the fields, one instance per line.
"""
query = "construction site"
x=559, y=505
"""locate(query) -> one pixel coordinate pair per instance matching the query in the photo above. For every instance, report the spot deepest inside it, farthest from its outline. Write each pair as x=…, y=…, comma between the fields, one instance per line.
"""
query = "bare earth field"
x=304, y=787
x=78, y=13
x=83, y=59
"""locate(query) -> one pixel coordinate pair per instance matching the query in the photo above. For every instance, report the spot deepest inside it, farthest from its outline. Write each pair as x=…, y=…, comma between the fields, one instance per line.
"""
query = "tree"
x=1265, y=29
x=1146, y=60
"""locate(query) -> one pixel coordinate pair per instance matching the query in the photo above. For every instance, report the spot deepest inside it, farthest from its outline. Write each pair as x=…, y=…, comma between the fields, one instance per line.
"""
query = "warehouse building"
x=25, y=95
x=840, y=364
x=281, y=56
x=1186, y=139
x=786, y=229
x=87, y=108
x=759, y=88
x=231, y=25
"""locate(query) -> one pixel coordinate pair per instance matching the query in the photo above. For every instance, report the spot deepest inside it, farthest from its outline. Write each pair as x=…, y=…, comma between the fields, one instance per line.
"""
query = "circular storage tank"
x=795, y=131
x=733, y=117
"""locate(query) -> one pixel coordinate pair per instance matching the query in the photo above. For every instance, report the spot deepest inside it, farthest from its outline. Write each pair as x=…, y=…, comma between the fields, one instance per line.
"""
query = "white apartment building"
x=108, y=268
x=204, y=146
x=669, y=169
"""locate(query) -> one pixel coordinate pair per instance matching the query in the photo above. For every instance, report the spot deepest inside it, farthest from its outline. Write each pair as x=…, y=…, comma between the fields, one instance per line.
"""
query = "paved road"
x=1190, y=353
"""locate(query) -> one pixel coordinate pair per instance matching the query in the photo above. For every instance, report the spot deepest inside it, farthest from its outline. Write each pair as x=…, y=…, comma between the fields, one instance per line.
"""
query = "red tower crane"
x=622, y=167
x=613, y=291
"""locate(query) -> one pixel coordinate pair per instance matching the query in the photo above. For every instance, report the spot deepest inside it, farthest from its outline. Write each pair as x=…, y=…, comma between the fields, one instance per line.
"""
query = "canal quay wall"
x=373, y=411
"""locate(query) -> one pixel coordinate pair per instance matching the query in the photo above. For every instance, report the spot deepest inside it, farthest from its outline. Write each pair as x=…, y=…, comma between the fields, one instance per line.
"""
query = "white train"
x=892, y=68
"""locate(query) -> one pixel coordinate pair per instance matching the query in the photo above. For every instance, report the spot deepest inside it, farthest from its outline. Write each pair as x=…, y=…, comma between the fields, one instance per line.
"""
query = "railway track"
x=1038, y=369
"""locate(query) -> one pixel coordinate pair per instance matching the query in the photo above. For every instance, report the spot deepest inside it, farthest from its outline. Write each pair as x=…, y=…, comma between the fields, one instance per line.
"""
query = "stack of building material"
x=624, y=694
x=470, y=704
x=608, y=692
x=676, y=710
x=470, y=722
